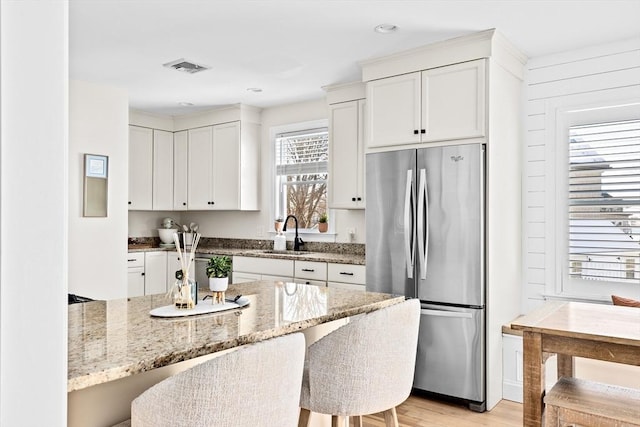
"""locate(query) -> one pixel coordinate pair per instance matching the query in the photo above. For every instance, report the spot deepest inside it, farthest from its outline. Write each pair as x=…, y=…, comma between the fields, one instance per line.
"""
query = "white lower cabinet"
x=135, y=274
x=311, y=273
x=246, y=269
x=155, y=273
x=346, y=276
x=173, y=265
x=152, y=272
x=135, y=281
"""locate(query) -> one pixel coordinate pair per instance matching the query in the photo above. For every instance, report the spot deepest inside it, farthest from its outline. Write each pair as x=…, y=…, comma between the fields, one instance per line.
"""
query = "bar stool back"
x=256, y=385
x=364, y=367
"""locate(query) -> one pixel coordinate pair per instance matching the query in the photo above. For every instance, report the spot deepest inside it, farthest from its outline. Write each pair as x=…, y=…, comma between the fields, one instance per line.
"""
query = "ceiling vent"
x=186, y=66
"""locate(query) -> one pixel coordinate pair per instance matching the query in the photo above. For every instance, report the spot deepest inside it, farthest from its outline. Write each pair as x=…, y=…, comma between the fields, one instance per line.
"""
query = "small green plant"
x=219, y=266
x=323, y=218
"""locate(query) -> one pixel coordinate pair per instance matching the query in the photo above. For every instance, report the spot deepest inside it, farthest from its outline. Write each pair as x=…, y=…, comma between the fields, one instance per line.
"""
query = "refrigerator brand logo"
x=457, y=158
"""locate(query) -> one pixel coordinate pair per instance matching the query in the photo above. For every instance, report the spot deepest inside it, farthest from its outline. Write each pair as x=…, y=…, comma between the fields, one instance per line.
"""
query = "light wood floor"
x=418, y=411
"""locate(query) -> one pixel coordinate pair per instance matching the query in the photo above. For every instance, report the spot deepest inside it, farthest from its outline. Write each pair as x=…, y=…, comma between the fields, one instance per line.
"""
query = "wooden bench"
x=576, y=402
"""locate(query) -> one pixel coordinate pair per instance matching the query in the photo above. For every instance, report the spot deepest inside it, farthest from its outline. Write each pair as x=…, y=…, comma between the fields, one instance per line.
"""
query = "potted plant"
x=278, y=224
x=218, y=269
x=323, y=225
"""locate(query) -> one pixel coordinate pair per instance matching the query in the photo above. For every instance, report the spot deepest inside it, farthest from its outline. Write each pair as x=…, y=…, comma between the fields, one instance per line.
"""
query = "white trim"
x=589, y=108
x=306, y=234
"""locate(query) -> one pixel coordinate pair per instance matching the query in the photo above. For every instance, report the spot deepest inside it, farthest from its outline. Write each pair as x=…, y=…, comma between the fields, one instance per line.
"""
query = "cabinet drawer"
x=346, y=273
x=135, y=259
x=311, y=270
x=274, y=267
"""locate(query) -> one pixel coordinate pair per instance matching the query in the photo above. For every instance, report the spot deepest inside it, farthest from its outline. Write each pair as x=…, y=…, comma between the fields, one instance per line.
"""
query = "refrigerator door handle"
x=423, y=223
x=443, y=313
x=409, y=252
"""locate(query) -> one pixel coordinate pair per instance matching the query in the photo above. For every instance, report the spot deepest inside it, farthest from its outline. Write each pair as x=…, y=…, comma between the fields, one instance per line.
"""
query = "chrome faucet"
x=297, y=241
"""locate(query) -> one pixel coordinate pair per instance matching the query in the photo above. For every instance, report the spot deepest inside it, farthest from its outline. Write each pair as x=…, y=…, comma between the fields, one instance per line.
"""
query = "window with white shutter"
x=604, y=202
x=301, y=175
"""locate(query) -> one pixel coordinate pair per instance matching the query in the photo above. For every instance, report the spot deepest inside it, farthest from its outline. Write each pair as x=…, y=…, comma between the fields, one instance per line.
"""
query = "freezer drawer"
x=450, y=358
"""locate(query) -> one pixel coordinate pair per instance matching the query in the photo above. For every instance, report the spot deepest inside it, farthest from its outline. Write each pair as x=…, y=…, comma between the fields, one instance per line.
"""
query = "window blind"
x=300, y=153
x=604, y=201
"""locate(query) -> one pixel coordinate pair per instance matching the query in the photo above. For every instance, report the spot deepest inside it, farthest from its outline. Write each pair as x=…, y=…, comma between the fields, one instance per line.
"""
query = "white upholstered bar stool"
x=364, y=367
x=256, y=385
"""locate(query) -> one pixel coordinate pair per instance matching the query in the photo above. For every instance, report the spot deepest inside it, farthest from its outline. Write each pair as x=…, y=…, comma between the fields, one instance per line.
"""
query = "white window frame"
x=311, y=235
x=566, y=117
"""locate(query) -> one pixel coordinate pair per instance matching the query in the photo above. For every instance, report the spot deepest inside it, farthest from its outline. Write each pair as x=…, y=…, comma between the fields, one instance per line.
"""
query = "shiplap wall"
x=603, y=73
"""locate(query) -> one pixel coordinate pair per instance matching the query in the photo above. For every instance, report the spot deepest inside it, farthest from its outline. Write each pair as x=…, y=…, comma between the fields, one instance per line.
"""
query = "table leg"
x=565, y=366
x=533, y=392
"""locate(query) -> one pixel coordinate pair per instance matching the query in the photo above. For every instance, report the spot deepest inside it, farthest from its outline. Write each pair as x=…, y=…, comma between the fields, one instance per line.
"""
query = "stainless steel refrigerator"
x=425, y=239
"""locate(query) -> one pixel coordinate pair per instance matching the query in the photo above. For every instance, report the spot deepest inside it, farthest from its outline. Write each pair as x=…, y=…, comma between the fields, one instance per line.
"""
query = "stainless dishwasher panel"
x=450, y=358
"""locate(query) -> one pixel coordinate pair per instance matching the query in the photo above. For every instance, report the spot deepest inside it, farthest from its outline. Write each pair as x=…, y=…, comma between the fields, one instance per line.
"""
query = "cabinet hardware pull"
x=359, y=199
x=423, y=131
x=131, y=260
x=308, y=269
x=353, y=199
x=346, y=273
x=142, y=274
x=415, y=131
x=184, y=203
x=129, y=202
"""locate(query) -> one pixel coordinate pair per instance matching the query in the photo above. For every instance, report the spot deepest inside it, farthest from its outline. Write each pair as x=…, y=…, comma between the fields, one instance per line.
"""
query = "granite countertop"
x=333, y=257
x=114, y=339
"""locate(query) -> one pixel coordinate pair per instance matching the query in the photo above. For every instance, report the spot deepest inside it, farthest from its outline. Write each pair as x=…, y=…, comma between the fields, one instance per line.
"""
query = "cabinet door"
x=200, y=167
x=135, y=281
x=226, y=166
x=155, y=273
x=346, y=156
x=140, y=168
x=393, y=111
x=162, y=170
x=180, y=162
x=453, y=101
x=173, y=265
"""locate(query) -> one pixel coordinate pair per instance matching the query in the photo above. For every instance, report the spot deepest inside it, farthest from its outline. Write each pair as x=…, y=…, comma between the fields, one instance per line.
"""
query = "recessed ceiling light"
x=185, y=104
x=254, y=89
x=385, y=28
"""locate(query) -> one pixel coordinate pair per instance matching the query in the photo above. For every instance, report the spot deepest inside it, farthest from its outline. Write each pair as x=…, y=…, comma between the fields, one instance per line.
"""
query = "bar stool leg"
x=303, y=421
x=390, y=418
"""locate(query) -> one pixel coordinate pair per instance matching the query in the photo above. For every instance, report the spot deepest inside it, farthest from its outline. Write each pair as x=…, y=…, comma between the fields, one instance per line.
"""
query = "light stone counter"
x=112, y=340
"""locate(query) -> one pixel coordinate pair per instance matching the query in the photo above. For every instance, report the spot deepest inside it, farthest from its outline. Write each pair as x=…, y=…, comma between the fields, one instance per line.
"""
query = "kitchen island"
x=117, y=350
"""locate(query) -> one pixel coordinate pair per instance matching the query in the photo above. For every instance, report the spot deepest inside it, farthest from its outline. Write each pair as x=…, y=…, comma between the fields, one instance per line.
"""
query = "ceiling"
x=290, y=49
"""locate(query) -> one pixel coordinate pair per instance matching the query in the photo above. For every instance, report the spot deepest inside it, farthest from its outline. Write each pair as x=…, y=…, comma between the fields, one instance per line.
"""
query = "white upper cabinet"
x=199, y=168
x=453, y=102
x=346, y=155
x=439, y=104
x=162, y=170
x=393, y=116
x=180, y=162
x=226, y=185
x=222, y=168
x=140, y=168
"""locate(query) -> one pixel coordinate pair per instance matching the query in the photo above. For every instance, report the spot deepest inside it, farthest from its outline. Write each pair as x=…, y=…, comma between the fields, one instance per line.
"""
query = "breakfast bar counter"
x=113, y=339
x=117, y=350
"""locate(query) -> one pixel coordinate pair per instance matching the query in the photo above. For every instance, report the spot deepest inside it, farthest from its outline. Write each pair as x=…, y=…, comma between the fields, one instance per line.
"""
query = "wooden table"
x=571, y=329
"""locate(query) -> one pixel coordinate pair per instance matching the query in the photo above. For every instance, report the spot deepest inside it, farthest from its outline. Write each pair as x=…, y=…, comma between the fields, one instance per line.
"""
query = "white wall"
x=99, y=117
x=252, y=225
x=33, y=213
x=596, y=74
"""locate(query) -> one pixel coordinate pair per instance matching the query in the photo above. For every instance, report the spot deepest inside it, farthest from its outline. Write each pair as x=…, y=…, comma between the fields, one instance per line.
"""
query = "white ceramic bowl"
x=166, y=234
